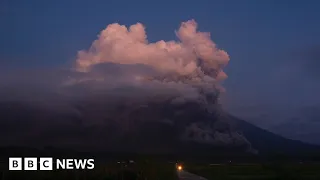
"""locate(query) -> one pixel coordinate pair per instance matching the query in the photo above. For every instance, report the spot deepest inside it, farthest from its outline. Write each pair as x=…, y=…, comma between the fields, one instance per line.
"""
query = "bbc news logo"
x=48, y=163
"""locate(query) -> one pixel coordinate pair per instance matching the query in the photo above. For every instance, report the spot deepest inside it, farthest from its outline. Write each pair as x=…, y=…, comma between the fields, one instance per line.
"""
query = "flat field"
x=272, y=171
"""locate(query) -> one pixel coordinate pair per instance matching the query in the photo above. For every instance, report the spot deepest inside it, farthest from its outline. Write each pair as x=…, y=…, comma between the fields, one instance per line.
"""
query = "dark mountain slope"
x=269, y=143
x=158, y=126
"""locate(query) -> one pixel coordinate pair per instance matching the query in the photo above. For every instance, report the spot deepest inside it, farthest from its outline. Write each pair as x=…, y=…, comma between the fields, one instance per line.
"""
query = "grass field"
x=256, y=171
x=102, y=171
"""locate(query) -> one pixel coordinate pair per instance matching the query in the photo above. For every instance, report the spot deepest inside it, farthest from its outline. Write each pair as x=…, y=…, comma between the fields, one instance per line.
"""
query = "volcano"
x=124, y=94
x=159, y=125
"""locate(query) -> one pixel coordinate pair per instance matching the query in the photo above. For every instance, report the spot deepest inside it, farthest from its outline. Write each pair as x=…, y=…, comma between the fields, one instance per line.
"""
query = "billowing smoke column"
x=121, y=82
x=194, y=60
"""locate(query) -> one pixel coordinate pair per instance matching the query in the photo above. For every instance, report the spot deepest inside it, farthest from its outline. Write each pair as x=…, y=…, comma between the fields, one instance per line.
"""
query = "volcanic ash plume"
x=193, y=60
x=118, y=44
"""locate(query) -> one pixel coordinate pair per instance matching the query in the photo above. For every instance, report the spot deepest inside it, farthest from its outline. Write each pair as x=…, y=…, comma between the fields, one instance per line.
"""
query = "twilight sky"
x=274, y=45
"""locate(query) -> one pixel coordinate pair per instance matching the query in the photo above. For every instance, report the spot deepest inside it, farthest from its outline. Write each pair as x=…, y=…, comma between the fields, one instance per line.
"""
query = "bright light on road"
x=179, y=168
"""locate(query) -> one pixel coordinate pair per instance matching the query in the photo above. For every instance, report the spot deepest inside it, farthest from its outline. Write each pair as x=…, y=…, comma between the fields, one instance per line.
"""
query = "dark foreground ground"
x=154, y=170
x=102, y=171
x=270, y=171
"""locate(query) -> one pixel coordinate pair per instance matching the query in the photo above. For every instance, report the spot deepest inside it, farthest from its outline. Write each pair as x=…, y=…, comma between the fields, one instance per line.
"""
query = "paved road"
x=184, y=175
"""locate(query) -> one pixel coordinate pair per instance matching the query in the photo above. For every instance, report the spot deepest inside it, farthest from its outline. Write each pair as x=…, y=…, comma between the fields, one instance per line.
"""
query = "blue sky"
x=273, y=45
